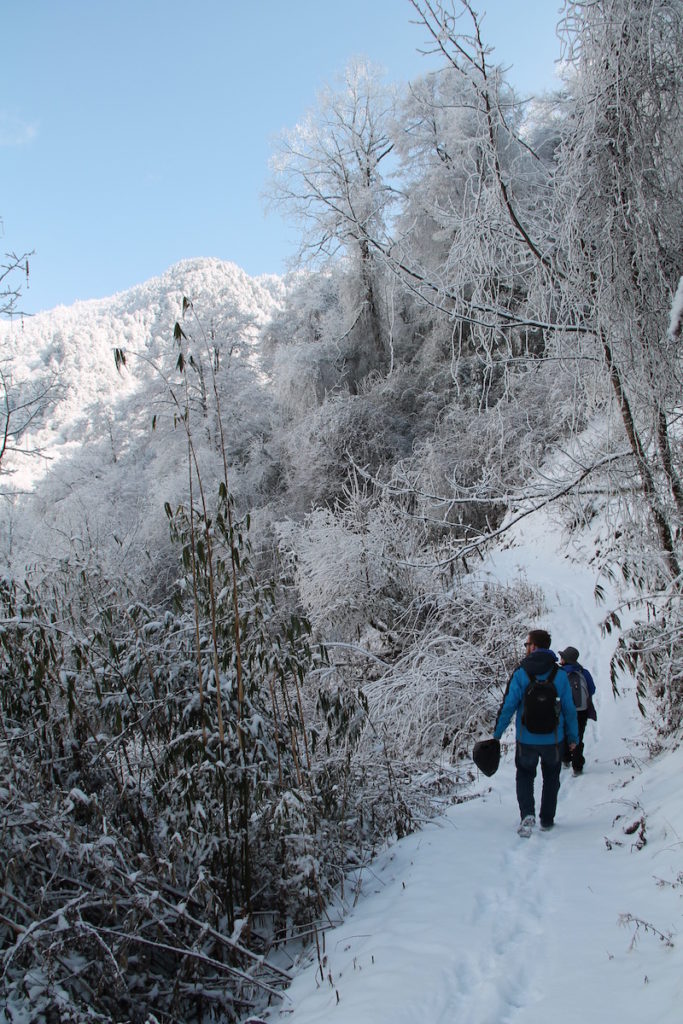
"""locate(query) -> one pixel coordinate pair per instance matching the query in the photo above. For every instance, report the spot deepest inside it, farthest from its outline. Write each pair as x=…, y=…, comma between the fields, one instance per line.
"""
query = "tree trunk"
x=661, y=522
x=374, y=319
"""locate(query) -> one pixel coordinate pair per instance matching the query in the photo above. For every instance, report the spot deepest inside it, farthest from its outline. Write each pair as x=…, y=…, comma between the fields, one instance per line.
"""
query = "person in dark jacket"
x=569, y=662
x=533, y=747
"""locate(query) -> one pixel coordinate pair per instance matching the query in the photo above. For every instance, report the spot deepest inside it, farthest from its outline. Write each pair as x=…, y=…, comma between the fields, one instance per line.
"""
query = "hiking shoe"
x=527, y=826
x=546, y=826
x=577, y=771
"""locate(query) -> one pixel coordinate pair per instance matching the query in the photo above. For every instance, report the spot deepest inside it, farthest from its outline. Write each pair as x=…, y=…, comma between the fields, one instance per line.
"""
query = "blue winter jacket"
x=539, y=664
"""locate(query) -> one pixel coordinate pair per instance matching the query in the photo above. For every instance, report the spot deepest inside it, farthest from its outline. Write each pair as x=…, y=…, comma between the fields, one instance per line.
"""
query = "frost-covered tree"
x=330, y=172
x=23, y=402
x=575, y=249
x=12, y=270
x=619, y=226
x=569, y=252
x=470, y=238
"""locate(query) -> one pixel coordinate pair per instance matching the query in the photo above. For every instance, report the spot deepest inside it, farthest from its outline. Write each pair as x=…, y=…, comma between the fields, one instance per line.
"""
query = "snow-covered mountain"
x=102, y=455
x=74, y=346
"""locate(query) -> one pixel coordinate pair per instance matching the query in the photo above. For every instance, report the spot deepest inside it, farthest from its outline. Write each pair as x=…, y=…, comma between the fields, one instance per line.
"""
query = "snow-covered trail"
x=466, y=922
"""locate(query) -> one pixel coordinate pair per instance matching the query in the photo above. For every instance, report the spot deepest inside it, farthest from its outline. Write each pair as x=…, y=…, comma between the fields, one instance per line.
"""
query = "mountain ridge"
x=73, y=346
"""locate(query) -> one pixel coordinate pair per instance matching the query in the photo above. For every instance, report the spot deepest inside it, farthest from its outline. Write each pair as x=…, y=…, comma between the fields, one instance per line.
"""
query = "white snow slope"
x=466, y=922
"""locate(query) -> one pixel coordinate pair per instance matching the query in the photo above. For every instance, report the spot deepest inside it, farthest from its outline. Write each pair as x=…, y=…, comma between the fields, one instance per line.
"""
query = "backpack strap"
x=551, y=679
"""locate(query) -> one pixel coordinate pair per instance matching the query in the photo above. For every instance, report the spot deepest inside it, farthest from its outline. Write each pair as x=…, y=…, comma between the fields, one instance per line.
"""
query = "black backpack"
x=577, y=681
x=541, y=708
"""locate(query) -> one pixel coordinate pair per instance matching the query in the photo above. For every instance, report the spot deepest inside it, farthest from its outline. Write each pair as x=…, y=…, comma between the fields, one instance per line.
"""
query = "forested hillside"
x=241, y=644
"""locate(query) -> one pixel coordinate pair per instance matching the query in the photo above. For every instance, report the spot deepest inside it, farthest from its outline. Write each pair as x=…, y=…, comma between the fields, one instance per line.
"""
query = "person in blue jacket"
x=533, y=747
x=569, y=663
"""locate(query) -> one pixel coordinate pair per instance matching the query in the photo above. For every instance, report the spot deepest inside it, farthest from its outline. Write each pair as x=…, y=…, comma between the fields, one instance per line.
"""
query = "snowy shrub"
x=347, y=564
x=650, y=650
x=443, y=691
x=318, y=452
x=460, y=478
x=168, y=745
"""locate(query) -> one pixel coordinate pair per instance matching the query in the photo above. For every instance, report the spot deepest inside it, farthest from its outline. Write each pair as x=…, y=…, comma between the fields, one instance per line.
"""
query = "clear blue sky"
x=136, y=133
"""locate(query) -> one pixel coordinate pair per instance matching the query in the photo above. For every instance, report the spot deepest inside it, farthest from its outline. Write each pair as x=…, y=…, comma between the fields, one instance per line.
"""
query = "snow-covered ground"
x=466, y=922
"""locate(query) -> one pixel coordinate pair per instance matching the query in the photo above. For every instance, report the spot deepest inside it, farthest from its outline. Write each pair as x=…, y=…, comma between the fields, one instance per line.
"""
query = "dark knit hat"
x=486, y=756
x=569, y=655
